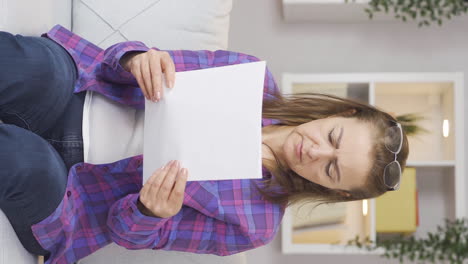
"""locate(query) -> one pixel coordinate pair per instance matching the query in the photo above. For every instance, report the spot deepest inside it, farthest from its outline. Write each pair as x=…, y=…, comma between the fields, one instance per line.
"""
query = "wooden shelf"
x=445, y=156
x=435, y=163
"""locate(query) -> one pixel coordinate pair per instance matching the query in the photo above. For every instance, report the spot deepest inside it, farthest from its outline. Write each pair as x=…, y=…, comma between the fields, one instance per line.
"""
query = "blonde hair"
x=285, y=186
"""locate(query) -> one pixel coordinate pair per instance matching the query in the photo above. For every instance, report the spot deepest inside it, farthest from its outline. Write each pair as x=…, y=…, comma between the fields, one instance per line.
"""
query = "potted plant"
x=426, y=11
x=448, y=243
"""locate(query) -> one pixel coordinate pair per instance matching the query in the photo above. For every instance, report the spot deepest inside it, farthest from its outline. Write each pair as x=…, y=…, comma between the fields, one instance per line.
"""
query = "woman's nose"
x=320, y=152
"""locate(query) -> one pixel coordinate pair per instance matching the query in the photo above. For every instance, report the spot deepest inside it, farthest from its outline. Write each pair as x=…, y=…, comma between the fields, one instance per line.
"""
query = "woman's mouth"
x=299, y=150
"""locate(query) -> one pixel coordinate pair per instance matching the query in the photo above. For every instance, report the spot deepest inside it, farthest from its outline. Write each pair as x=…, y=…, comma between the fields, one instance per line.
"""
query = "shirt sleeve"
x=189, y=231
x=184, y=60
x=111, y=70
x=119, y=80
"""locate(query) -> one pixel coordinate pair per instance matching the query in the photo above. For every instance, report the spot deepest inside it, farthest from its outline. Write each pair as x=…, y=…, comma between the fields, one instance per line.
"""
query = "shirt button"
x=139, y=161
x=79, y=167
x=68, y=194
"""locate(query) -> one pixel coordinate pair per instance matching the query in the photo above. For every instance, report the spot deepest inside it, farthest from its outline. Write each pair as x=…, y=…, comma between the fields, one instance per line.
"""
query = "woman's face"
x=333, y=152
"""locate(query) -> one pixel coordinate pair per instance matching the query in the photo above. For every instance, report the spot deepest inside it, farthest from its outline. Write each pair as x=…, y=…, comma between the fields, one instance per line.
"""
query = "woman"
x=315, y=147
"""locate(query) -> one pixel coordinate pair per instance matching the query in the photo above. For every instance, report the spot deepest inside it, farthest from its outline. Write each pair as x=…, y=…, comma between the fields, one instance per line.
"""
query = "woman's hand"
x=160, y=197
x=147, y=67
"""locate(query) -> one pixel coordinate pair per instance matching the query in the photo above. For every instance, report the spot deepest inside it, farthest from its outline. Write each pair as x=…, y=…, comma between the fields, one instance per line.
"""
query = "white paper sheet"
x=210, y=122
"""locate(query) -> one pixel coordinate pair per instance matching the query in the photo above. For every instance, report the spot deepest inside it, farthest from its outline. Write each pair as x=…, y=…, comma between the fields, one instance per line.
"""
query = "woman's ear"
x=343, y=193
x=347, y=113
x=350, y=112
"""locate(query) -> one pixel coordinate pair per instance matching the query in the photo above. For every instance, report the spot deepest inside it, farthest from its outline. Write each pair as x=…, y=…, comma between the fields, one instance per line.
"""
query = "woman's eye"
x=330, y=138
x=328, y=170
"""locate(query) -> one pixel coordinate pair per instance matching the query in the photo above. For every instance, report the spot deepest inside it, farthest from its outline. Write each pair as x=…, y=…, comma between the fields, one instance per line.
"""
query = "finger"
x=156, y=182
x=177, y=193
x=156, y=73
x=137, y=73
x=169, y=69
x=146, y=75
x=168, y=183
x=154, y=59
x=145, y=192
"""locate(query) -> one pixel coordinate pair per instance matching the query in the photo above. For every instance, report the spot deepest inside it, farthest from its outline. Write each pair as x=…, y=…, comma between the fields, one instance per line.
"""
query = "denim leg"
x=37, y=79
x=66, y=136
x=33, y=178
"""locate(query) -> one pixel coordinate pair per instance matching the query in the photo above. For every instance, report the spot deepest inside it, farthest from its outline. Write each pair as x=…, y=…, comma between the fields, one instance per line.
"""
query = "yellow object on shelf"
x=397, y=211
x=327, y=236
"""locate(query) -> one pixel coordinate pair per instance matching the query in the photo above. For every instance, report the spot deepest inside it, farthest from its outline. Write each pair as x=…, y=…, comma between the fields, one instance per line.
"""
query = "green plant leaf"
x=449, y=242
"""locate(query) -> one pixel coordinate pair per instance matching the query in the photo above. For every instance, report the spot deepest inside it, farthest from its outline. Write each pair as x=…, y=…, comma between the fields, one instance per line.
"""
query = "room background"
x=258, y=28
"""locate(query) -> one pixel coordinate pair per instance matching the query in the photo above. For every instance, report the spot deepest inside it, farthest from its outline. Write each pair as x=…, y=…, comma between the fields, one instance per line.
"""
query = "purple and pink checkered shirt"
x=100, y=202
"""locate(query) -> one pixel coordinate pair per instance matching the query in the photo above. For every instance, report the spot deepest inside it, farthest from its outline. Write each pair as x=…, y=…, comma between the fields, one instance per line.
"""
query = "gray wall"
x=257, y=28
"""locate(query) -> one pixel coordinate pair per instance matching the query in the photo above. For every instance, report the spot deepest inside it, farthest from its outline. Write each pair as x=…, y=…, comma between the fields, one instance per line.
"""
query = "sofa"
x=166, y=24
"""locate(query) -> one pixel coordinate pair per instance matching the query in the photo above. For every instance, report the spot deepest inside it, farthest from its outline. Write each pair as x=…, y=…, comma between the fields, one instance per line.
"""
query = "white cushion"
x=175, y=24
x=33, y=18
x=11, y=249
x=116, y=254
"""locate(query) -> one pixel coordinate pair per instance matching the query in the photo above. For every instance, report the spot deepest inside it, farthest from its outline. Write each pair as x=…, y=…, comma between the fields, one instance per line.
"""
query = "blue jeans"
x=41, y=138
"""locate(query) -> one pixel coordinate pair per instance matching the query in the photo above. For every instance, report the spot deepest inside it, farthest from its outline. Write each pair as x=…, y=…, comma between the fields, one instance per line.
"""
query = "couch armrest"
x=11, y=249
x=33, y=18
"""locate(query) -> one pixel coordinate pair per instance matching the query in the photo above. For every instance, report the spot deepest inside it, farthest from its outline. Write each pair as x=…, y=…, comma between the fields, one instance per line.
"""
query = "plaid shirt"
x=100, y=201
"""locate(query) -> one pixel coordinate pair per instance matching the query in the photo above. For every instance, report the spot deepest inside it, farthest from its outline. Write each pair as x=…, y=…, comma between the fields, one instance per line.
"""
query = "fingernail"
x=176, y=164
x=158, y=96
x=163, y=167
x=171, y=84
x=184, y=171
